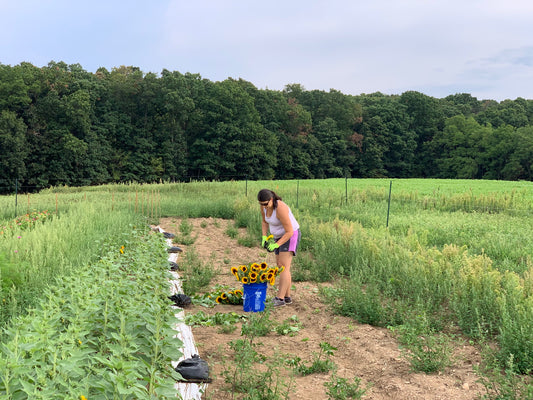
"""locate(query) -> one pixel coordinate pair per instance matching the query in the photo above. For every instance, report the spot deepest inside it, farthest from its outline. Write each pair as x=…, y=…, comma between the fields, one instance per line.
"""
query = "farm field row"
x=457, y=253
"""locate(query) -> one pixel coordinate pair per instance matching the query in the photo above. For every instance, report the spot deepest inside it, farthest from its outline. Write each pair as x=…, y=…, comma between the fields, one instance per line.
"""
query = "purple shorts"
x=291, y=244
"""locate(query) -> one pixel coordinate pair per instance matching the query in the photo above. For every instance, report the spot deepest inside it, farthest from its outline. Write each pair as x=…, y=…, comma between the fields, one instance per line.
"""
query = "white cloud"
x=437, y=47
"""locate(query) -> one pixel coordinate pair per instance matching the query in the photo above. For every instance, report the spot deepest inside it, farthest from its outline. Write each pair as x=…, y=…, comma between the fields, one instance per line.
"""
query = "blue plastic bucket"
x=254, y=296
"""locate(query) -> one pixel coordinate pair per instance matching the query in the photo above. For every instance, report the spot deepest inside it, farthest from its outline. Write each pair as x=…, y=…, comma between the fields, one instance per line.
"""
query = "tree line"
x=62, y=125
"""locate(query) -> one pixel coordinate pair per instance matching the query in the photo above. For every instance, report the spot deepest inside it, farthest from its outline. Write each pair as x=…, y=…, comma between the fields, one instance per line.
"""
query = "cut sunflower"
x=256, y=273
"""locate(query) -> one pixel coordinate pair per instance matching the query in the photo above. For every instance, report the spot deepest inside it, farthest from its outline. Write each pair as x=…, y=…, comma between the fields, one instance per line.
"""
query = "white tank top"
x=275, y=225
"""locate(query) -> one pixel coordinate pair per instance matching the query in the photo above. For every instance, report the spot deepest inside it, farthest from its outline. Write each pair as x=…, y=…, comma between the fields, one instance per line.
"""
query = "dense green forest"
x=62, y=125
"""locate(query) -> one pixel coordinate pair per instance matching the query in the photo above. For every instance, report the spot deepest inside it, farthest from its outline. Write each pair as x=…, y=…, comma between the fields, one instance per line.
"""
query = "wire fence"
x=19, y=199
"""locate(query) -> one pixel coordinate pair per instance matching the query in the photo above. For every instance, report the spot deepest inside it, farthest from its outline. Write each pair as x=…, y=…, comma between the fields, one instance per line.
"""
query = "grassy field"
x=456, y=252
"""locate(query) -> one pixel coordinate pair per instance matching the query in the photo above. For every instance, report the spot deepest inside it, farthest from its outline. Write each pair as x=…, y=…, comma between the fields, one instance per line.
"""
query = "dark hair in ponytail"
x=266, y=195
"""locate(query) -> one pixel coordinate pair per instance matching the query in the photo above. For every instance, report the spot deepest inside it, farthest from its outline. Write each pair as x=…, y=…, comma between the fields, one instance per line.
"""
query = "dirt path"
x=367, y=352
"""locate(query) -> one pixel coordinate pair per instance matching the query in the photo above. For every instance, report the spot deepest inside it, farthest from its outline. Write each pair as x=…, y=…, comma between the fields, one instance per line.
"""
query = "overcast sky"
x=437, y=47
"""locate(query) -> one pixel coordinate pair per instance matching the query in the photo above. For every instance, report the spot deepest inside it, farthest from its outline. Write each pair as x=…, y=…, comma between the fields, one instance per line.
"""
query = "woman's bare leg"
x=285, y=279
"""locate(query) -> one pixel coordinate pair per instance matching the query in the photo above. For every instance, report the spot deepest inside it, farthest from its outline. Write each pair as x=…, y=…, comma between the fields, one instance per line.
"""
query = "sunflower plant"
x=256, y=273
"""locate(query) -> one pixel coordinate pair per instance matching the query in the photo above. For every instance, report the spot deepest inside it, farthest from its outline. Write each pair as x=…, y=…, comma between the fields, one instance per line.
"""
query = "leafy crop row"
x=103, y=333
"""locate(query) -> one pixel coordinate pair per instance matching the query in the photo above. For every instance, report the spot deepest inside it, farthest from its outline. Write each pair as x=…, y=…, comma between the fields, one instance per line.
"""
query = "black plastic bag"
x=174, y=266
x=180, y=300
x=174, y=249
x=194, y=369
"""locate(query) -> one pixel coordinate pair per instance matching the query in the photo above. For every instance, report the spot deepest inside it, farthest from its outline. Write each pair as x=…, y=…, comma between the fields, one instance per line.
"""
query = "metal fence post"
x=346, y=188
x=297, y=193
x=16, y=195
x=388, y=208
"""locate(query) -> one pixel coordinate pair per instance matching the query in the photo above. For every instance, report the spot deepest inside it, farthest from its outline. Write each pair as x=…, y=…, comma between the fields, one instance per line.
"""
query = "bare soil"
x=368, y=352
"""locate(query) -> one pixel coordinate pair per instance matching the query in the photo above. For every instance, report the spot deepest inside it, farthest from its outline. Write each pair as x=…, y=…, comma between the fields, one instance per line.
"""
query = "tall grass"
x=33, y=258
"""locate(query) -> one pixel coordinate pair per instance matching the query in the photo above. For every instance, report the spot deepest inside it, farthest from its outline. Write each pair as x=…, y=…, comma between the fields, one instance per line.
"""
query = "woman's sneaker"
x=287, y=300
x=278, y=302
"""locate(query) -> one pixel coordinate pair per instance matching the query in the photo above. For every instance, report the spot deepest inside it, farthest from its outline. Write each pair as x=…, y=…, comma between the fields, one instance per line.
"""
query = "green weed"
x=184, y=236
x=196, y=274
x=258, y=324
x=426, y=350
x=231, y=231
x=247, y=241
x=320, y=364
x=254, y=375
x=185, y=227
x=291, y=326
x=504, y=384
x=363, y=305
x=223, y=319
x=245, y=377
x=342, y=389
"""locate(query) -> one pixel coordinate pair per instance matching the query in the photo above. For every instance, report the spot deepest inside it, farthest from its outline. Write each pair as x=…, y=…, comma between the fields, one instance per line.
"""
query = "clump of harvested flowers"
x=219, y=295
x=230, y=297
x=256, y=273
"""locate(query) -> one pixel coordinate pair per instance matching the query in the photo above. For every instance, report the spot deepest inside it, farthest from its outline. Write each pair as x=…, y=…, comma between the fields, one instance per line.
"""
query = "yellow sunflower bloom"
x=253, y=275
x=263, y=266
x=224, y=296
x=234, y=270
x=263, y=277
x=253, y=280
x=255, y=267
x=218, y=299
x=238, y=292
x=245, y=280
x=243, y=268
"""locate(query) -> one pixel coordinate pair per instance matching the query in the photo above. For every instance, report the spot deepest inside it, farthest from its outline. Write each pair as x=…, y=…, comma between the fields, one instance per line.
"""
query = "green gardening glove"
x=272, y=246
x=265, y=241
